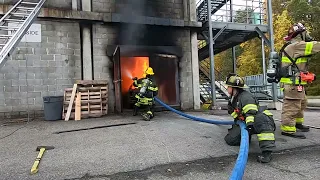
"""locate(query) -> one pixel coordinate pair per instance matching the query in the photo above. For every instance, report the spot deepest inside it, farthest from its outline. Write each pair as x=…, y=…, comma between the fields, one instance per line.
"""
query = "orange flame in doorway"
x=132, y=67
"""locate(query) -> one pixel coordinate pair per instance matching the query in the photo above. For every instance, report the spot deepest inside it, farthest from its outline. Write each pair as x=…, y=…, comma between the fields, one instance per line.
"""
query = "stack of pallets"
x=89, y=99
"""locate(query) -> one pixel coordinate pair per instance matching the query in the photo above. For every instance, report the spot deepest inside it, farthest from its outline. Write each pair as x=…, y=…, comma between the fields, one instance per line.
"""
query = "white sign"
x=32, y=35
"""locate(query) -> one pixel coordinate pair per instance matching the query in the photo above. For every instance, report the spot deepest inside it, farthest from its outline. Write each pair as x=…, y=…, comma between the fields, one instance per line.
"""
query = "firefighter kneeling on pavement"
x=243, y=106
x=147, y=91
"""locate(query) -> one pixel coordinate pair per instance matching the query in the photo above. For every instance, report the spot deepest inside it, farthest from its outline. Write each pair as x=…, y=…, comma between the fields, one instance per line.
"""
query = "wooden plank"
x=86, y=98
x=69, y=90
x=90, y=82
x=64, y=100
x=103, y=96
x=85, y=116
x=90, y=93
x=71, y=102
x=78, y=107
x=97, y=89
x=84, y=108
x=91, y=88
x=89, y=101
x=94, y=93
x=101, y=105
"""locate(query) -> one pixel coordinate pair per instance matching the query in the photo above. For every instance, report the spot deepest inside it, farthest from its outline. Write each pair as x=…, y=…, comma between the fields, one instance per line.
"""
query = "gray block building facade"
x=72, y=40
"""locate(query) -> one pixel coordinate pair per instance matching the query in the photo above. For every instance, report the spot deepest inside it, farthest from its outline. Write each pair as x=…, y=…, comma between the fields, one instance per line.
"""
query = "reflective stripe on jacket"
x=301, y=63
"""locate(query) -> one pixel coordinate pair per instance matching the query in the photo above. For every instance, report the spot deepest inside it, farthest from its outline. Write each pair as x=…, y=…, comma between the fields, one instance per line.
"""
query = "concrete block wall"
x=55, y=63
x=104, y=35
x=61, y=4
x=174, y=9
x=153, y=8
x=41, y=69
x=185, y=68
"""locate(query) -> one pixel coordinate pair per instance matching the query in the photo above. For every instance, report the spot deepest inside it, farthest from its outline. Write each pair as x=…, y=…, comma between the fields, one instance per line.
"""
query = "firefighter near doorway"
x=289, y=67
x=144, y=93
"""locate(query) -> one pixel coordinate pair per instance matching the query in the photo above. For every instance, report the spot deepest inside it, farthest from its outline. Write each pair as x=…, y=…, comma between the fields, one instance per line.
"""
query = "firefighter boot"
x=265, y=157
x=294, y=135
x=135, y=110
x=302, y=128
x=146, y=116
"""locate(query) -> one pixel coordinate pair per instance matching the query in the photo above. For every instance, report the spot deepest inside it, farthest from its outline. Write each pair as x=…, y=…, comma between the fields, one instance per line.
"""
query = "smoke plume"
x=131, y=33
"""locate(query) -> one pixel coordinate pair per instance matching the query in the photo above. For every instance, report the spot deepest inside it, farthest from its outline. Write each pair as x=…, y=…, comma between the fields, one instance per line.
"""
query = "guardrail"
x=255, y=82
x=240, y=11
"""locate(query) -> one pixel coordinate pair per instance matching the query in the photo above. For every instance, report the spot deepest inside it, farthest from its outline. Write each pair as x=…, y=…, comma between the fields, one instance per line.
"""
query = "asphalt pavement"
x=169, y=147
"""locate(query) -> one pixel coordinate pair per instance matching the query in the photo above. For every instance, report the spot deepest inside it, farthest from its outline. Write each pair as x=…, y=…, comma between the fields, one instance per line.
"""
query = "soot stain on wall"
x=139, y=34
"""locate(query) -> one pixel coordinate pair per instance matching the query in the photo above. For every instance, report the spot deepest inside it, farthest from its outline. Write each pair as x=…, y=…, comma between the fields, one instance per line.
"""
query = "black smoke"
x=142, y=34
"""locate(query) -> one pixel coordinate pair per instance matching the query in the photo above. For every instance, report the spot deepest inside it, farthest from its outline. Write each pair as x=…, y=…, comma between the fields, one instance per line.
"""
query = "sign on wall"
x=33, y=34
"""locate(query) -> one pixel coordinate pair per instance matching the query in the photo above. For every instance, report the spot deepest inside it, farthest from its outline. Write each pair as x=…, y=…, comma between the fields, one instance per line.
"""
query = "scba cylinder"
x=273, y=65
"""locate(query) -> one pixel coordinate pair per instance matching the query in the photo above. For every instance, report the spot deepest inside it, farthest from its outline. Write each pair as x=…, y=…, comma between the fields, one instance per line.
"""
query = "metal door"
x=117, y=80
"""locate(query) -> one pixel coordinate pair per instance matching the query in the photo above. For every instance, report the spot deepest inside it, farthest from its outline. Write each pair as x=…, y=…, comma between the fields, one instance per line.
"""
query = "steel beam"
x=228, y=36
x=219, y=33
x=262, y=36
x=203, y=52
x=211, y=55
x=274, y=85
x=264, y=63
x=234, y=60
x=236, y=26
x=205, y=37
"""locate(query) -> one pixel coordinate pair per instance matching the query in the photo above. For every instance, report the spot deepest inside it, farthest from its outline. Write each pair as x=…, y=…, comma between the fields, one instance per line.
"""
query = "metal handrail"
x=229, y=11
x=205, y=68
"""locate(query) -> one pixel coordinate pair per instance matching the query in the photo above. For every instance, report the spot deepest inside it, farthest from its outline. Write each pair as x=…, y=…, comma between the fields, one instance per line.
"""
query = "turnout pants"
x=293, y=109
x=264, y=127
x=144, y=103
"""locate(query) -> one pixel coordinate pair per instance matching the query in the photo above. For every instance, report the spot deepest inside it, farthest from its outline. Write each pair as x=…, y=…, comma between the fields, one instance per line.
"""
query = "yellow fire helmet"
x=149, y=71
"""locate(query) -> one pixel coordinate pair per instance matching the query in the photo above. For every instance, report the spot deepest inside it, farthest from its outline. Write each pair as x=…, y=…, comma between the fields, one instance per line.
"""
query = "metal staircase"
x=205, y=83
x=231, y=36
x=234, y=24
x=15, y=23
x=202, y=9
x=231, y=24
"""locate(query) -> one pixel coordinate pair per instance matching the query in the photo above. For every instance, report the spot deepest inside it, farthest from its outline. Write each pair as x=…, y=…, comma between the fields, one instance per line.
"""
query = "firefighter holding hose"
x=243, y=106
x=145, y=97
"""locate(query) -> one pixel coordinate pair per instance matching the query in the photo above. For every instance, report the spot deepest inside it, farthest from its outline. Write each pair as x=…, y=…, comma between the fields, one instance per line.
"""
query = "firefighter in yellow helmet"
x=295, y=55
x=243, y=106
x=147, y=91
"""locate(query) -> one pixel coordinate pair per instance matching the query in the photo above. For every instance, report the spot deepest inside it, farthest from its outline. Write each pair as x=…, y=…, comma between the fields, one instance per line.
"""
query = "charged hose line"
x=193, y=117
x=240, y=165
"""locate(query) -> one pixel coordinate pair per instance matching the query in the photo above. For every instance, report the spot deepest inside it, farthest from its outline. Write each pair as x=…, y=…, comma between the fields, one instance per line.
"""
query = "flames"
x=132, y=67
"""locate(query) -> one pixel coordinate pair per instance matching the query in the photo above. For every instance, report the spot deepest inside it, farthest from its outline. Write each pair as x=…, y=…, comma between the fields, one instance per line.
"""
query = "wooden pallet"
x=89, y=100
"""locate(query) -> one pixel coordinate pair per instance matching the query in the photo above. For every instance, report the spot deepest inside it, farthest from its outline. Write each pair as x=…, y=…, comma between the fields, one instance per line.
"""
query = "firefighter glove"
x=250, y=128
x=230, y=108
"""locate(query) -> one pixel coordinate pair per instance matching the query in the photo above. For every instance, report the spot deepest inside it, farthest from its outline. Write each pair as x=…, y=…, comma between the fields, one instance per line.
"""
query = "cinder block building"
x=104, y=39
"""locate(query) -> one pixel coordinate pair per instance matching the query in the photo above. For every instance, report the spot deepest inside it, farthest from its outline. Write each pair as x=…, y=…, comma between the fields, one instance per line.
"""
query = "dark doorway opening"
x=132, y=61
x=166, y=77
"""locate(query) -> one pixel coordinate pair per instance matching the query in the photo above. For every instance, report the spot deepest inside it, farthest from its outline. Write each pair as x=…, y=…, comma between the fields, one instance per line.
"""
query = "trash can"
x=53, y=107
